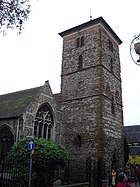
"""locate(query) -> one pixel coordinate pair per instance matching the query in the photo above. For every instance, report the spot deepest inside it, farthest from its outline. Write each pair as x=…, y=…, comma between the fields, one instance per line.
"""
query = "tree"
x=13, y=14
x=48, y=158
x=133, y=160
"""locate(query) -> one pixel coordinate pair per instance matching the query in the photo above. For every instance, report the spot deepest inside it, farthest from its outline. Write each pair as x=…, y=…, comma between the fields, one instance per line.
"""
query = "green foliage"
x=132, y=161
x=48, y=158
x=13, y=14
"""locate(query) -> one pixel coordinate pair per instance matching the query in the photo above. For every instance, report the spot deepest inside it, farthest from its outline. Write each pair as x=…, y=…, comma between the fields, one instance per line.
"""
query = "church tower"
x=91, y=94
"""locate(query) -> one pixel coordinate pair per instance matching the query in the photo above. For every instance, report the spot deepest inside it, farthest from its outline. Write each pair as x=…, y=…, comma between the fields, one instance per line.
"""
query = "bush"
x=48, y=158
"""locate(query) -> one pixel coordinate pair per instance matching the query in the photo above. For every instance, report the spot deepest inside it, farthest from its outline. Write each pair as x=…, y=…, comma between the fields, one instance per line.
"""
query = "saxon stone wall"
x=92, y=97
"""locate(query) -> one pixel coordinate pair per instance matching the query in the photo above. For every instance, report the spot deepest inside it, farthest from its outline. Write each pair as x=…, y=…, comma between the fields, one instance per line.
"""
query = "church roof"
x=14, y=104
x=91, y=23
x=132, y=133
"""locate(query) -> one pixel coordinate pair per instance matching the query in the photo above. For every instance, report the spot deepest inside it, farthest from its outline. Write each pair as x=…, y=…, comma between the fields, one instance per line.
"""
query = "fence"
x=83, y=170
x=16, y=172
x=11, y=176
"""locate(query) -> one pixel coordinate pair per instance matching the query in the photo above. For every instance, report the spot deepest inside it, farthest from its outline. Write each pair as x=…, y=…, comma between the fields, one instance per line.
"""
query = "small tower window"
x=82, y=41
x=77, y=141
x=80, y=61
x=117, y=95
x=78, y=42
x=112, y=106
x=110, y=45
x=111, y=65
x=108, y=90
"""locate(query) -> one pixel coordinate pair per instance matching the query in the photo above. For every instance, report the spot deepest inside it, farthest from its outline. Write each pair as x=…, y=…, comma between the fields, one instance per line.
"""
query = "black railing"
x=16, y=174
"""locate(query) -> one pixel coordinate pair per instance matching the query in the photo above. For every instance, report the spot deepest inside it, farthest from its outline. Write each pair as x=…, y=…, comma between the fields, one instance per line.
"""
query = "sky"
x=35, y=56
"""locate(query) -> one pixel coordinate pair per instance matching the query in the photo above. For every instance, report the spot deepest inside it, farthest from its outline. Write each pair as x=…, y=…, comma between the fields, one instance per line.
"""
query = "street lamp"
x=135, y=49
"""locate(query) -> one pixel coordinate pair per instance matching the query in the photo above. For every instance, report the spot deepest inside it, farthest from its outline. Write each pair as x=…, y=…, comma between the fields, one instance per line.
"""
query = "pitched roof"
x=91, y=23
x=132, y=133
x=13, y=104
x=134, y=150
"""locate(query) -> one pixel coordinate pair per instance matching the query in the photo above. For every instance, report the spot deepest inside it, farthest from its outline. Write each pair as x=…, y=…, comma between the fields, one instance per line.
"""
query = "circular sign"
x=135, y=50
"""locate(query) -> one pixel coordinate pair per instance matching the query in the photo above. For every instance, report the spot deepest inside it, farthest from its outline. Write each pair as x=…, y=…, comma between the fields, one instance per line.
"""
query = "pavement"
x=133, y=184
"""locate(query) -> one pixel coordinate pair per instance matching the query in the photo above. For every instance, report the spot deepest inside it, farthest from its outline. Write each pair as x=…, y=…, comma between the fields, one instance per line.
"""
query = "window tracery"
x=43, y=122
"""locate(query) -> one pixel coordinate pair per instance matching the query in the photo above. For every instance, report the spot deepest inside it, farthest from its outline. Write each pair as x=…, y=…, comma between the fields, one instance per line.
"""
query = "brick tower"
x=91, y=92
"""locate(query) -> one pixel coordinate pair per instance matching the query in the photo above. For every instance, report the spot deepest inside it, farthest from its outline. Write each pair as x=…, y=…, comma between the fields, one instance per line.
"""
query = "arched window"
x=80, y=61
x=6, y=141
x=82, y=41
x=77, y=141
x=78, y=42
x=43, y=122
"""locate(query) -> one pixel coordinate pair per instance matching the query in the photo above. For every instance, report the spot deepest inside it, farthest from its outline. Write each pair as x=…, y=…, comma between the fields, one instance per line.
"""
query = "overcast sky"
x=30, y=59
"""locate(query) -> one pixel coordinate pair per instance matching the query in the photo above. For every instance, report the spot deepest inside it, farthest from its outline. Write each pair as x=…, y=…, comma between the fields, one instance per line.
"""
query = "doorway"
x=6, y=141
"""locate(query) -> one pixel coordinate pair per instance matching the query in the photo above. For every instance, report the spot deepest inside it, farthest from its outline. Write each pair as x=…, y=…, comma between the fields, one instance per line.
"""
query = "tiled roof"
x=134, y=150
x=13, y=104
x=91, y=23
x=132, y=133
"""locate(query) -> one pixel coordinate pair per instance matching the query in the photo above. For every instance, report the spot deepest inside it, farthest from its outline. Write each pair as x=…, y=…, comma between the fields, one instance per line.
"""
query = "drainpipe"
x=17, y=133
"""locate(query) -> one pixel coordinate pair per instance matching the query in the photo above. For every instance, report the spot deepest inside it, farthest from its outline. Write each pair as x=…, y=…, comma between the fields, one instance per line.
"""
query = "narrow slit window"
x=111, y=64
x=110, y=45
x=78, y=42
x=112, y=106
x=80, y=62
x=82, y=41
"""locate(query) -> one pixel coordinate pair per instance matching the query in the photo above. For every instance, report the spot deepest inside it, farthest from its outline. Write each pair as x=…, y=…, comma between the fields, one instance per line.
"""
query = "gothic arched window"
x=6, y=141
x=43, y=122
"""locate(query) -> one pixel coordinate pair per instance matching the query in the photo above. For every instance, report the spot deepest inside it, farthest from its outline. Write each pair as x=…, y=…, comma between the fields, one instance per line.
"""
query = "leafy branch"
x=13, y=14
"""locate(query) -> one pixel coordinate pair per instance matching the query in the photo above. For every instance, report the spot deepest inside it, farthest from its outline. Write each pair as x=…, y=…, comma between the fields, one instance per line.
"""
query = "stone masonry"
x=91, y=98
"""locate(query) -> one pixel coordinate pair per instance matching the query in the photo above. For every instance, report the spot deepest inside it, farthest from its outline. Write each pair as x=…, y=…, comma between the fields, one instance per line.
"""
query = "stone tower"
x=91, y=92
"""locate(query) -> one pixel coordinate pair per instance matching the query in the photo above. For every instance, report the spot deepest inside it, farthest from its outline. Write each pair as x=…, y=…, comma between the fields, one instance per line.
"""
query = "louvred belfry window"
x=43, y=122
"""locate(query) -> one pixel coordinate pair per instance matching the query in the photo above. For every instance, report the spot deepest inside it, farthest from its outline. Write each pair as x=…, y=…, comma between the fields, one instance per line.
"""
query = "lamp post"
x=135, y=50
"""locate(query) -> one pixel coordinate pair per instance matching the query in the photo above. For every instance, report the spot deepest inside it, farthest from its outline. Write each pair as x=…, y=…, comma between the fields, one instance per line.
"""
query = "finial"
x=90, y=15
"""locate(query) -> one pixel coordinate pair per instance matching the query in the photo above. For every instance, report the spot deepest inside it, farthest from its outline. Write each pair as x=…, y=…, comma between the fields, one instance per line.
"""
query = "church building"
x=87, y=115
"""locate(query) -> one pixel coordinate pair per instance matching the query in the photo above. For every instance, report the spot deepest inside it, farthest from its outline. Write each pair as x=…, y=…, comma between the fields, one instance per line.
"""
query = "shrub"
x=48, y=157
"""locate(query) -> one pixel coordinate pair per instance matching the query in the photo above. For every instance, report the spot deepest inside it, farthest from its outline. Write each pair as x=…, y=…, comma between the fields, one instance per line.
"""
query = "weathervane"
x=90, y=15
x=135, y=49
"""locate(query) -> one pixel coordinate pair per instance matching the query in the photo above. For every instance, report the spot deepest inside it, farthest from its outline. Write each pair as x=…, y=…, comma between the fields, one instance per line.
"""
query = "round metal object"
x=135, y=50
